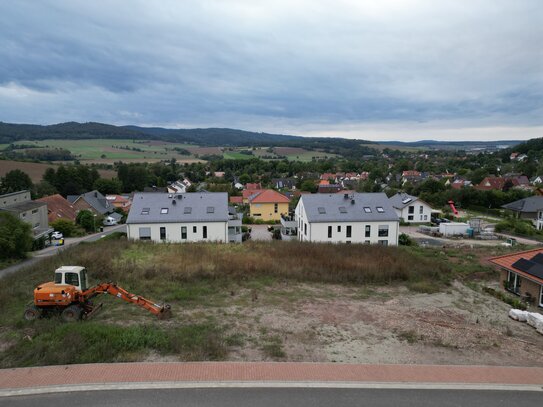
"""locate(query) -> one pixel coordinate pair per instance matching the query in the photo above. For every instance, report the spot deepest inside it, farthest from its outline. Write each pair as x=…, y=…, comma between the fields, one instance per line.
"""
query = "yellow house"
x=268, y=205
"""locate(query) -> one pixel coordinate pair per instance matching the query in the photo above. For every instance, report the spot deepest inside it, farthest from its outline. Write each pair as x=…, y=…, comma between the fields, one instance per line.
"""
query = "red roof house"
x=58, y=208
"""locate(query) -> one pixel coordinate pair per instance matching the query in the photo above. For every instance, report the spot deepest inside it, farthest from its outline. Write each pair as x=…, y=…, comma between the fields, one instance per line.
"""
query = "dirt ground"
x=324, y=323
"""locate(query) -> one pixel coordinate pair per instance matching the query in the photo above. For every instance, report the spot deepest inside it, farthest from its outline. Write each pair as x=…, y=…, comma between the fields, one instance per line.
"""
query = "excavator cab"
x=72, y=275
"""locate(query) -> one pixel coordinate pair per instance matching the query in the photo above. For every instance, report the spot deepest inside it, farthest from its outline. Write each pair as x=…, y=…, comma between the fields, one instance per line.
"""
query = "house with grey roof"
x=347, y=218
x=188, y=217
x=411, y=209
x=530, y=208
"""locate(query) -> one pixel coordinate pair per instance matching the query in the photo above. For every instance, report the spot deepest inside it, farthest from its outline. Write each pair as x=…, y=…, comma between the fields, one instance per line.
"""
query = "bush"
x=87, y=221
x=405, y=240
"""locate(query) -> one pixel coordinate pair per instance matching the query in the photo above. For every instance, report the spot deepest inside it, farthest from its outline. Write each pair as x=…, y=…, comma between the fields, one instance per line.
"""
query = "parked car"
x=57, y=235
x=109, y=221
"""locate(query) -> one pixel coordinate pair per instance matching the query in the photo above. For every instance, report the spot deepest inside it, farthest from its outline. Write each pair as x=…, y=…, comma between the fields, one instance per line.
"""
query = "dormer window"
x=145, y=211
x=164, y=211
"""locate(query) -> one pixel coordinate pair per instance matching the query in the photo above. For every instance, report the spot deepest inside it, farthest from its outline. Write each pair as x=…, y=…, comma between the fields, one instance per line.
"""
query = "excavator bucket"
x=165, y=312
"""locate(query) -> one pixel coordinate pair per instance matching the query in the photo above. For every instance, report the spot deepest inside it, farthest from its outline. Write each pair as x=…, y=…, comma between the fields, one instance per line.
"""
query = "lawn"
x=285, y=301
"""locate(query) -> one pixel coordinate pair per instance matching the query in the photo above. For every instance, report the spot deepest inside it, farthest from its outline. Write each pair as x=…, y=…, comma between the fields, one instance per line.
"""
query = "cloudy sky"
x=371, y=69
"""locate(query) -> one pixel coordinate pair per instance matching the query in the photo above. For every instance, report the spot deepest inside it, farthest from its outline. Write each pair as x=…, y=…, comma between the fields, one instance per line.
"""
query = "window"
x=383, y=242
x=305, y=229
x=210, y=209
x=541, y=296
x=367, y=209
x=71, y=278
x=410, y=217
x=383, y=231
x=329, y=232
x=367, y=242
x=349, y=231
x=368, y=231
x=23, y=214
x=162, y=233
x=342, y=209
x=164, y=211
x=339, y=229
x=58, y=278
x=321, y=210
x=257, y=214
x=187, y=210
x=34, y=211
x=204, y=232
x=145, y=233
x=275, y=208
x=421, y=209
x=145, y=211
x=183, y=232
x=195, y=229
x=380, y=209
x=83, y=274
x=425, y=217
x=513, y=282
x=411, y=209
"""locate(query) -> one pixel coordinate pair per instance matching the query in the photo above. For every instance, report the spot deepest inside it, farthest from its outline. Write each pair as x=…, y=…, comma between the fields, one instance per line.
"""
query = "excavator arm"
x=161, y=311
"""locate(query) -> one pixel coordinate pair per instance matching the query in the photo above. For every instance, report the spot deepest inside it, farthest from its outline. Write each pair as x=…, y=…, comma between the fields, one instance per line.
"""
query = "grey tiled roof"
x=97, y=201
x=530, y=204
x=198, y=202
x=401, y=200
x=338, y=209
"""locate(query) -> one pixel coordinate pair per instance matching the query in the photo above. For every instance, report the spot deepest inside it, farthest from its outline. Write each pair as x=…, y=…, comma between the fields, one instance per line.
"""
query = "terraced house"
x=189, y=217
x=347, y=218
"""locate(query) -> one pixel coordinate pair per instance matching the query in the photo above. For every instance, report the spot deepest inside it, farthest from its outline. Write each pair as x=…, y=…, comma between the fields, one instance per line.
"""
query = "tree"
x=108, y=186
x=15, y=237
x=15, y=180
x=308, y=186
x=44, y=188
x=86, y=220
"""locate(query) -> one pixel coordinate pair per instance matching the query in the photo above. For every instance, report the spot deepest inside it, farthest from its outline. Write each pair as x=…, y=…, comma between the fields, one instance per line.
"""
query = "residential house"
x=530, y=208
x=521, y=273
x=179, y=186
x=411, y=209
x=538, y=180
x=95, y=202
x=347, y=218
x=236, y=200
x=459, y=183
x=327, y=176
x=268, y=204
x=58, y=208
x=500, y=183
x=190, y=217
x=517, y=157
x=284, y=183
x=413, y=177
x=325, y=187
x=24, y=208
x=253, y=186
x=120, y=201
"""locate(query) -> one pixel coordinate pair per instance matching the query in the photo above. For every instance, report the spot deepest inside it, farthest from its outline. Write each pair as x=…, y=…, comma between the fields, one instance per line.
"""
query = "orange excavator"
x=70, y=296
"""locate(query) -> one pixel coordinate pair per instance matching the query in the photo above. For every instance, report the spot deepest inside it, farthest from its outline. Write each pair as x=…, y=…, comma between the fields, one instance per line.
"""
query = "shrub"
x=405, y=240
x=15, y=237
x=66, y=227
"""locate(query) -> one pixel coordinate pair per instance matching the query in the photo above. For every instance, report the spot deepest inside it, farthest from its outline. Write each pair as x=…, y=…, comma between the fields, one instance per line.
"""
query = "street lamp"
x=94, y=223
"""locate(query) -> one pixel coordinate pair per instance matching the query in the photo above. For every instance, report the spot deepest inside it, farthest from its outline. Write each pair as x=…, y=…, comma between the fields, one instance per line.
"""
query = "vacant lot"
x=275, y=301
x=111, y=150
x=36, y=170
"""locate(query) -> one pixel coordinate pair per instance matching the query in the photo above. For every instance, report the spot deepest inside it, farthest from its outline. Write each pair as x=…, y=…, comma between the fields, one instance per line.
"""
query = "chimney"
x=345, y=196
x=96, y=194
x=352, y=201
x=174, y=202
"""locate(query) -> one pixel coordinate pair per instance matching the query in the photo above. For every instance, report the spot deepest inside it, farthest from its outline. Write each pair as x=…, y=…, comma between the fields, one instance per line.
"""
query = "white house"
x=190, y=217
x=347, y=218
x=411, y=209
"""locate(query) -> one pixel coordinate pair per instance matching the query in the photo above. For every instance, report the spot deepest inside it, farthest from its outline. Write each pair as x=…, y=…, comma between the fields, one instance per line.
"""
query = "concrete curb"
x=258, y=384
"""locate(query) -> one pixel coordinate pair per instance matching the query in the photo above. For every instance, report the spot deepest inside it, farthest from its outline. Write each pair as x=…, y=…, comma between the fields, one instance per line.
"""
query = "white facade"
x=180, y=232
x=368, y=232
x=416, y=212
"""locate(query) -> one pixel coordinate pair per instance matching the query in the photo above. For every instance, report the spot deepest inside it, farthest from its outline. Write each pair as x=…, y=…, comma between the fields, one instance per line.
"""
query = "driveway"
x=52, y=250
x=260, y=232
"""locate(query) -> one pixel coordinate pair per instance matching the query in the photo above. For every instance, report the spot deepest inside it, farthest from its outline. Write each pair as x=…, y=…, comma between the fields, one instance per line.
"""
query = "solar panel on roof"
x=406, y=200
x=538, y=258
x=523, y=265
x=529, y=267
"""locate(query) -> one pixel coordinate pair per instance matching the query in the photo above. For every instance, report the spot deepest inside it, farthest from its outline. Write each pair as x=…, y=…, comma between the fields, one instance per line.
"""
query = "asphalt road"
x=277, y=397
x=51, y=251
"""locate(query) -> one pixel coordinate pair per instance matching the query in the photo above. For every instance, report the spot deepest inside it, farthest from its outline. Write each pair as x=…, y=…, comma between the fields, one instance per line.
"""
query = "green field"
x=234, y=155
x=115, y=149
